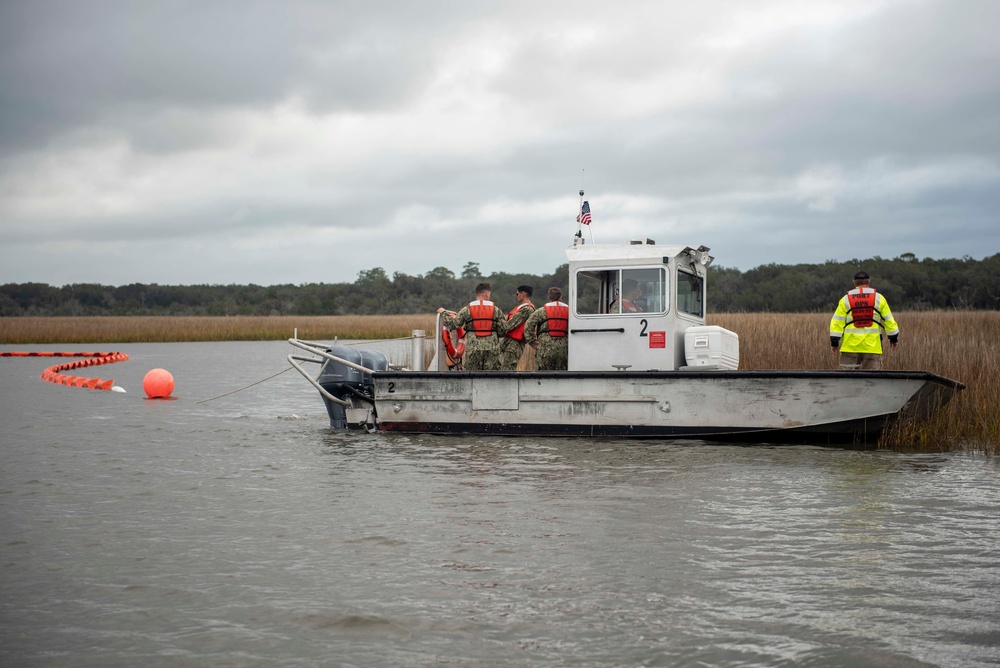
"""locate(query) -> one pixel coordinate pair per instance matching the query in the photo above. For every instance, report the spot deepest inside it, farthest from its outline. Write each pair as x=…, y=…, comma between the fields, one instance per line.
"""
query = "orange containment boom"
x=53, y=375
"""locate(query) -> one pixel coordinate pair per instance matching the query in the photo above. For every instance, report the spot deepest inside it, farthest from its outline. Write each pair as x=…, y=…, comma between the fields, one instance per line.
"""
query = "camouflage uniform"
x=482, y=353
x=553, y=353
x=511, y=349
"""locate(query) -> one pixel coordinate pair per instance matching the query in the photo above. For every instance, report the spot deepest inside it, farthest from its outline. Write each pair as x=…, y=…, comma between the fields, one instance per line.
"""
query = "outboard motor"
x=350, y=384
x=375, y=361
x=341, y=381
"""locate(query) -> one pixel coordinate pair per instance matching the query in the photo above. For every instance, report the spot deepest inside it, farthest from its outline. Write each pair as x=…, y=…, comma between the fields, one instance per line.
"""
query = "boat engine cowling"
x=341, y=381
x=347, y=383
x=375, y=361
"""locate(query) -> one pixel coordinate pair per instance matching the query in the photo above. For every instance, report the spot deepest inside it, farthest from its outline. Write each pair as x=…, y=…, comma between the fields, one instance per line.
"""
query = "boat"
x=657, y=372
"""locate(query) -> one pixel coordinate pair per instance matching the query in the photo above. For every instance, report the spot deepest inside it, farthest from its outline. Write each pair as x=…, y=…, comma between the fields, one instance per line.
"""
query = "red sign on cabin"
x=657, y=339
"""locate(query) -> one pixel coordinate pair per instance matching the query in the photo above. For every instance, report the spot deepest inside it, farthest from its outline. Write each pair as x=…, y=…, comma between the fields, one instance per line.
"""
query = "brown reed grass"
x=961, y=345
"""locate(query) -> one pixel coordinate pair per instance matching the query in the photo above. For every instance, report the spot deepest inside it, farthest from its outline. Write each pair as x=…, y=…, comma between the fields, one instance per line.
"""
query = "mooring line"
x=357, y=343
x=363, y=342
x=205, y=401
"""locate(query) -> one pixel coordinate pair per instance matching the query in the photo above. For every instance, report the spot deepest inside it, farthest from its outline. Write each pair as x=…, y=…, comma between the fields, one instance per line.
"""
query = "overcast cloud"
x=295, y=142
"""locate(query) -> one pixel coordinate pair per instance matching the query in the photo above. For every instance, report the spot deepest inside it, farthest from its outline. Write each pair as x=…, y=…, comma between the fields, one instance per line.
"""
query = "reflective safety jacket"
x=481, y=312
x=857, y=323
x=518, y=332
x=557, y=314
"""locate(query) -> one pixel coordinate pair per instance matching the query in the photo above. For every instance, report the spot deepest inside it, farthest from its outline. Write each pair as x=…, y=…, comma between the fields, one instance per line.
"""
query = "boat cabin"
x=630, y=304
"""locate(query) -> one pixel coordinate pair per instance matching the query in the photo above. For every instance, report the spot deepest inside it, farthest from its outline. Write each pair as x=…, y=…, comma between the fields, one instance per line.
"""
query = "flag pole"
x=582, y=218
x=583, y=173
x=590, y=228
x=579, y=207
x=578, y=237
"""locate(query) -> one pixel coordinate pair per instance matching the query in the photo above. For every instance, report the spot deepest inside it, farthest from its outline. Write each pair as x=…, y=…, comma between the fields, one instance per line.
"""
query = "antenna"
x=578, y=237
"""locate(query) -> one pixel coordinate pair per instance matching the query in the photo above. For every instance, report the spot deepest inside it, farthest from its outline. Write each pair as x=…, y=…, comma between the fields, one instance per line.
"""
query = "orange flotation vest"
x=518, y=332
x=862, y=303
x=558, y=319
x=630, y=307
x=482, y=317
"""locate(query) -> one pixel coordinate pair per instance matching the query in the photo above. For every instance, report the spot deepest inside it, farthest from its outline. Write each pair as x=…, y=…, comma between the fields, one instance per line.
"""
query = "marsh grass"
x=150, y=329
x=961, y=345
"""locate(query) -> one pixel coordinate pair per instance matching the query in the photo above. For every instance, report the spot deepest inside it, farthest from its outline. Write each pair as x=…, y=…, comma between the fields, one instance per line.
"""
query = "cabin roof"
x=628, y=251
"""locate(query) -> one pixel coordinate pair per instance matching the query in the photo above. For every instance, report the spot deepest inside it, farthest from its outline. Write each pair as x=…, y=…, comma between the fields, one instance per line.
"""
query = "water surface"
x=242, y=532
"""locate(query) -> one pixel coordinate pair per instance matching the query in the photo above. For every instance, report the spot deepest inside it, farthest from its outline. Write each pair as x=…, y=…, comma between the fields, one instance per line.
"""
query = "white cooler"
x=710, y=347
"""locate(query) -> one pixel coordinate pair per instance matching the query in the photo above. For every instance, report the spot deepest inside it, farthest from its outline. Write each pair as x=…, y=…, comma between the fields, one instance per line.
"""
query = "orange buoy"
x=158, y=384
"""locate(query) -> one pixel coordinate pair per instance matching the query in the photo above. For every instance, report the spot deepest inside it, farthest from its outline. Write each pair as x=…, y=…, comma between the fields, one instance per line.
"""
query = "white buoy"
x=118, y=388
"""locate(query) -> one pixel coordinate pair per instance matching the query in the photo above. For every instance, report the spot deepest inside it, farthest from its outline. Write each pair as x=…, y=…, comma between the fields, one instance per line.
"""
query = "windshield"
x=621, y=291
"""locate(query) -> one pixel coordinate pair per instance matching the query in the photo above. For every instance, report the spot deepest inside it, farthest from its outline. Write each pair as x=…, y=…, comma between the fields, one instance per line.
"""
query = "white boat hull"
x=763, y=405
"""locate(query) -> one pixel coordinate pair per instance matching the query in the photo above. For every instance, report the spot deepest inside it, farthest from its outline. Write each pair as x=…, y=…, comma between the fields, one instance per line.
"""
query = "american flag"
x=584, y=216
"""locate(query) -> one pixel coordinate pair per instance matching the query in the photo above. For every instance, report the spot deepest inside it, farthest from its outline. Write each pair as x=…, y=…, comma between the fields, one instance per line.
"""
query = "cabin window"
x=590, y=291
x=690, y=294
x=624, y=291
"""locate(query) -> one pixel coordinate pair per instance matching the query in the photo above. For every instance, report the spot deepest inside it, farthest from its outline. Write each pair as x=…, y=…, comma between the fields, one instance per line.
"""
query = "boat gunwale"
x=821, y=374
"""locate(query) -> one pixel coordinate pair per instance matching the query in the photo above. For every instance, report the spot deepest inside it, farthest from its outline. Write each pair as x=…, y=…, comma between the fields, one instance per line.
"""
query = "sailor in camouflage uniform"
x=484, y=324
x=512, y=345
x=546, y=329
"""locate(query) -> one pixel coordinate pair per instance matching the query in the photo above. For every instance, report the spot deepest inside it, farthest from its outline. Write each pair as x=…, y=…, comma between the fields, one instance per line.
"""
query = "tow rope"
x=53, y=375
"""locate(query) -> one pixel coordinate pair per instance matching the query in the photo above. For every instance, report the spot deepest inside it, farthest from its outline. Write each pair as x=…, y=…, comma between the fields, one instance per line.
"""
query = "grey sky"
x=294, y=142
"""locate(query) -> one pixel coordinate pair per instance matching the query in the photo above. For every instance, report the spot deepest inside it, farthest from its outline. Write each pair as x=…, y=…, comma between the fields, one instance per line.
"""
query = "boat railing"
x=321, y=355
x=437, y=360
x=320, y=349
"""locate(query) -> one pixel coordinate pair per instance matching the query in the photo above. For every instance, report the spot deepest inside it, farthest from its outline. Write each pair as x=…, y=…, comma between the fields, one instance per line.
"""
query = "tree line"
x=907, y=282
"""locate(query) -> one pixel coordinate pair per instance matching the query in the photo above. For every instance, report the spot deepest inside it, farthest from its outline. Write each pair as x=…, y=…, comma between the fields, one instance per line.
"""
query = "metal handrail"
x=317, y=351
x=307, y=376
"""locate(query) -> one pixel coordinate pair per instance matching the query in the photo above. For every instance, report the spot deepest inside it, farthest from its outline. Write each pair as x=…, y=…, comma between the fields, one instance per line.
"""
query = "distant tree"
x=471, y=270
x=8, y=307
x=907, y=282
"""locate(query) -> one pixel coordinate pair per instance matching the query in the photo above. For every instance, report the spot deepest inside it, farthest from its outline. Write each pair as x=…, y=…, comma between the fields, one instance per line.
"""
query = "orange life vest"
x=862, y=303
x=623, y=306
x=518, y=332
x=482, y=317
x=630, y=307
x=558, y=319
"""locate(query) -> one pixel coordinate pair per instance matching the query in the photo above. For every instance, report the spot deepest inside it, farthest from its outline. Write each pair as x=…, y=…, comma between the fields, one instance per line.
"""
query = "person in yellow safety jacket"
x=855, y=329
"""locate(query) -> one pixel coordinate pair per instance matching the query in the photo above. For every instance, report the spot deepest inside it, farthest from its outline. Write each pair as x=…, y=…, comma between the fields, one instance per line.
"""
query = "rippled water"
x=242, y=532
